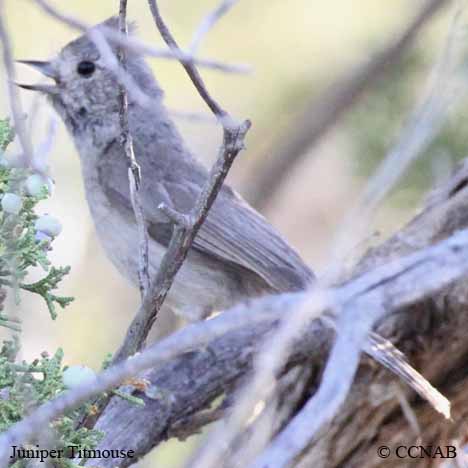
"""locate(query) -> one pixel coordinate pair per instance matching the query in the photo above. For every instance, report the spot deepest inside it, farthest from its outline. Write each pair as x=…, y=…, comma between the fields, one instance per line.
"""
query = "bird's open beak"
x=43, y=88
x=47, y=70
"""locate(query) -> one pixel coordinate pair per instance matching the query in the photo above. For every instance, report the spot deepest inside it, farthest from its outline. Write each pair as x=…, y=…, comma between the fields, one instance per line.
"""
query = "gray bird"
x=237, y=254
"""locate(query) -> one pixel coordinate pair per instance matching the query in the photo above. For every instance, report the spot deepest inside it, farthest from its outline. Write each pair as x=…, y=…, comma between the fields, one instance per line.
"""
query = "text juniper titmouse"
x=237, y=254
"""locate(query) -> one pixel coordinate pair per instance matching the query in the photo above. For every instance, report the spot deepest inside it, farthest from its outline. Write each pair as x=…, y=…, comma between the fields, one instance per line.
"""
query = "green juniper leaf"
x=20, y=250
x=26, y=385
x=45, y=285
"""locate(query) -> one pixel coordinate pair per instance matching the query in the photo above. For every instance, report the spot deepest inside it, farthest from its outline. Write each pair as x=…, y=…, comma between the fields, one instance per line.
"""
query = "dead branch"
x=186, y=225
x=218, y=353
x=208, y=23
x=134, y=173
x=190, y=383
x=27, y=155
x=137, y=46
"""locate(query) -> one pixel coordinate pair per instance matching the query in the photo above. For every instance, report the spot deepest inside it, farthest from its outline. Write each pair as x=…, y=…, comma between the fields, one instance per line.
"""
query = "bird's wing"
x=233, y=231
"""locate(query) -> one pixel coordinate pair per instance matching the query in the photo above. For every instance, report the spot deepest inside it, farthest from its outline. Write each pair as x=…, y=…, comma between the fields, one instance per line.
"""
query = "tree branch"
x=193, y=381
x=134, y=174
x=27, y=156
x=186, y=226
x=217, y=353
x=135, y=45
x=192, y=72
x=208, y=23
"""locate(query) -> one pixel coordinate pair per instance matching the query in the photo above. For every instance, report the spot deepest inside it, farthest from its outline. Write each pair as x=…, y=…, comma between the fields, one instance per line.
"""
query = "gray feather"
x=232, y=232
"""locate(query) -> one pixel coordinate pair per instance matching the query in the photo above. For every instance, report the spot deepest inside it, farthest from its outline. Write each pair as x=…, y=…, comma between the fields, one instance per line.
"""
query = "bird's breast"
x=115, y=226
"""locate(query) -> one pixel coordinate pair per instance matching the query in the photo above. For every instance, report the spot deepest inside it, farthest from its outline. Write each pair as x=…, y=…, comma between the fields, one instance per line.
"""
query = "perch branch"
x=220, y=365
x=168, y=400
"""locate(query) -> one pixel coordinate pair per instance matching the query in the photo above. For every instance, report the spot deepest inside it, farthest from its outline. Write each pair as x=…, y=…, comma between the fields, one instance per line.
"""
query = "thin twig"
x=27, y=156
x=182, y=238
x=134, y=173
x=192, y=72
x=208, y=23
x=124, y=78
x=135, y=45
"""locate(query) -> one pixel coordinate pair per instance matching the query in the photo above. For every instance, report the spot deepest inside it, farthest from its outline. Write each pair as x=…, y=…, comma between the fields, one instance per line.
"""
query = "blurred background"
x=296, y=49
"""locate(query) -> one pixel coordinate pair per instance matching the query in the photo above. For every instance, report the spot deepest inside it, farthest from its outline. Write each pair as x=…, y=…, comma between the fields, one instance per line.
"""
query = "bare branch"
x=186, y=226
x=135, y=45
x=223, y=362
x=27, y=156
x=192, y=72
x=432, y=269
x=208, y=23
x=321, y=114
x=134, y=174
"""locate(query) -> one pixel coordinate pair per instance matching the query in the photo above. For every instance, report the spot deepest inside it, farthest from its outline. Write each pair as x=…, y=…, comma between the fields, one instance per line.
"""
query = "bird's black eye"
x=86, y=68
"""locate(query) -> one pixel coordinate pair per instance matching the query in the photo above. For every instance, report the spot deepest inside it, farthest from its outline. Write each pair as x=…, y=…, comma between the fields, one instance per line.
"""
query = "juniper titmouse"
x=237, y=254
